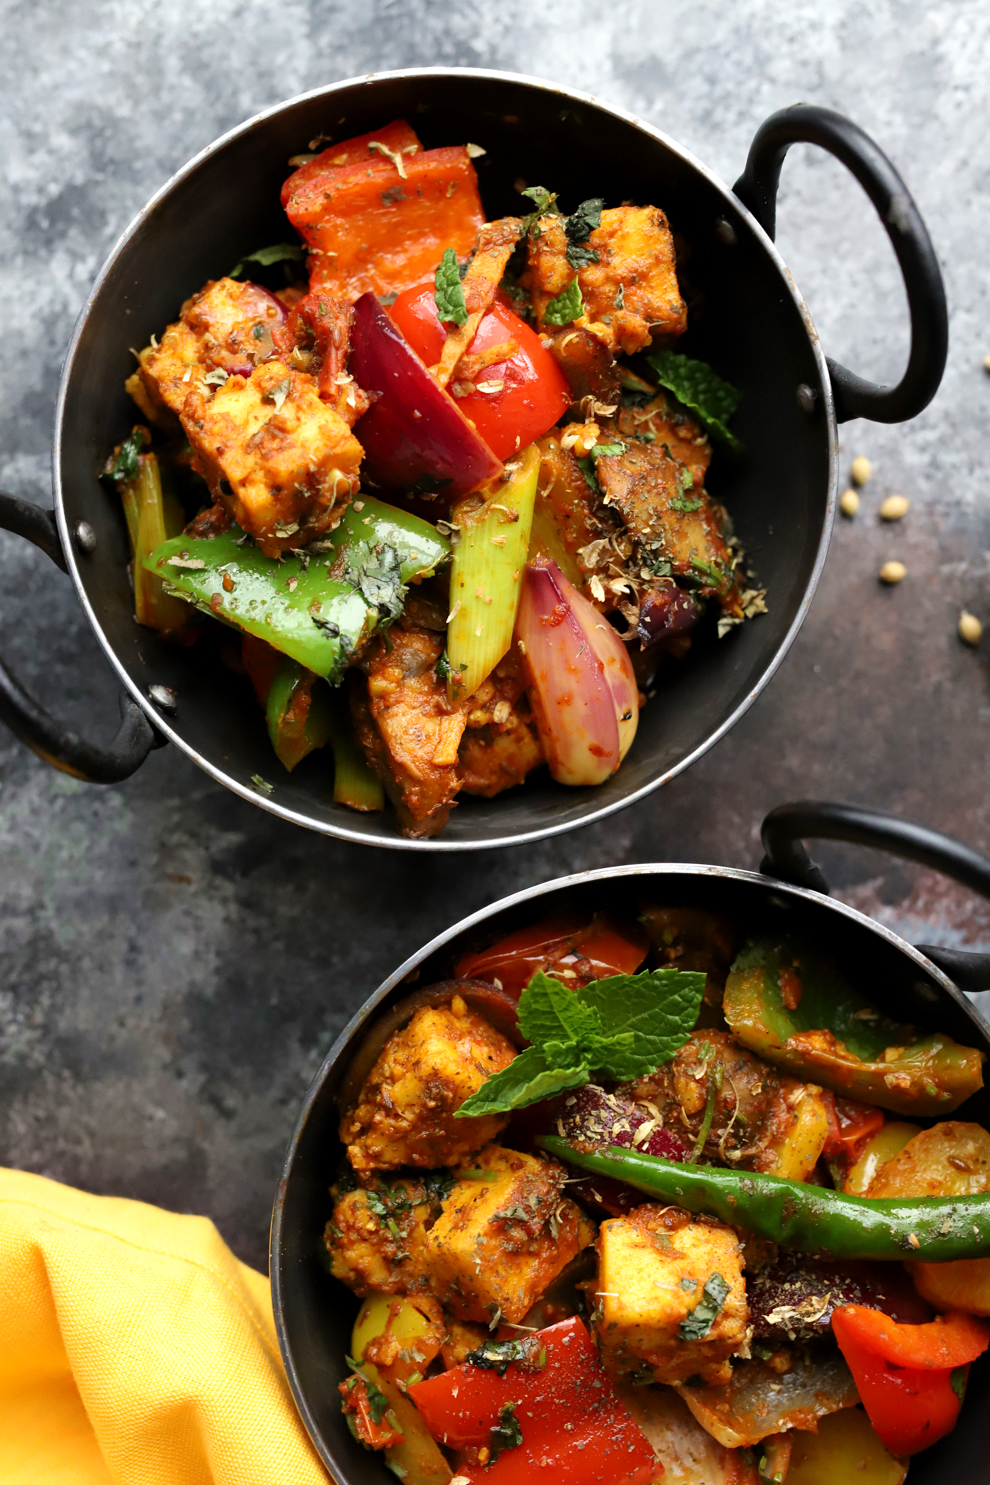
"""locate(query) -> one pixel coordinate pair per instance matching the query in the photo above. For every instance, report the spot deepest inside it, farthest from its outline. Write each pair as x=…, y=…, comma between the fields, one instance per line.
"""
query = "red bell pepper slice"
x=573, y=1425
x=911, y=1378
x=533, y=393
x=414, y=434
x=592, y=951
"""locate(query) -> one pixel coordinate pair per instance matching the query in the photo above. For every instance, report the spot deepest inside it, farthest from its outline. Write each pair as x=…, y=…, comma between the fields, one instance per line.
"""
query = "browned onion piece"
x=760, y=1401
x=498, y=1008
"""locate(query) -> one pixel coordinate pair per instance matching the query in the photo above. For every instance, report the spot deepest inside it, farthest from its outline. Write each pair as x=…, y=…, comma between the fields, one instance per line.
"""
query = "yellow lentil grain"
x=849, y=504
x=892, y=572
x=894, y=507
x=970, y=628
x=861, y=469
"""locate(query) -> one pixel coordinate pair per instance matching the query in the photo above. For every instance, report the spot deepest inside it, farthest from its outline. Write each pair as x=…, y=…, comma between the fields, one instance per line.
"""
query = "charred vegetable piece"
x=484, y=576
x=782, y=1001
x=414, y=435
x=367, y=1408
x=796, y=1215
x=410, y=1452
x=568, y=1411
x=905, y=1373
x=845, y=1447
x=320, y=607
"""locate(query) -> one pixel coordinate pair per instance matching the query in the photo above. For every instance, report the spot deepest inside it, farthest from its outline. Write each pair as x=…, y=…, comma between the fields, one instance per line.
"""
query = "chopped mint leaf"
x=706, y=1311
x=578, y=227
x=606, y=450
x=567, y=306
x=506, y=1433
x=701, y=389
x=526, y=1080
x=279, y=252
x=449, y=291
x=587, y=468
x=680, y=502
x=443, y=669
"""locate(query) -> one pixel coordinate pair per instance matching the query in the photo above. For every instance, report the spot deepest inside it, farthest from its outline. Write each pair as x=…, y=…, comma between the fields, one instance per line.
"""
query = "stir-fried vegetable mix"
x=607, y=1219
x=454, y=467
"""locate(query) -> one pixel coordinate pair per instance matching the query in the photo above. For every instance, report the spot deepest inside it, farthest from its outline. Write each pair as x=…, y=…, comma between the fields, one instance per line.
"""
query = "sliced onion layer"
x=581, y=683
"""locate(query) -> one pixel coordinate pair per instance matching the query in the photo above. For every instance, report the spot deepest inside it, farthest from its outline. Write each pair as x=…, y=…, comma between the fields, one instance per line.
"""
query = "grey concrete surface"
x=173, y=962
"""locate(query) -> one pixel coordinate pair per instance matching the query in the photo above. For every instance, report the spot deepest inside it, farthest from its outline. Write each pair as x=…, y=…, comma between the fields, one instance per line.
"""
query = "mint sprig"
x=698, y=387
x=449, y=291
x=619, y=1028
x=279, y=252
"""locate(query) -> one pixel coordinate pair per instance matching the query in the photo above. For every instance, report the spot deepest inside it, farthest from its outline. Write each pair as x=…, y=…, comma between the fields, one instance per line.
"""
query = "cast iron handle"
x=53, y=742
x=784, y=829
x=757, y=189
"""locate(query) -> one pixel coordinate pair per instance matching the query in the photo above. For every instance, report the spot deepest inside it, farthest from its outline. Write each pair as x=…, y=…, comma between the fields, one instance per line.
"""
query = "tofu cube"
x=166, y=370
x=377, y=1238
x=281, y=461
x=405, y=1110
x=635, y=254
x=503, y=1236
x=653, y=1266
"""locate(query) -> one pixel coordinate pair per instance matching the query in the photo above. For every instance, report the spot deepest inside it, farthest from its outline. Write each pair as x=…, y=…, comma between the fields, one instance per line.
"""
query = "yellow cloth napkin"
x=135, y=1349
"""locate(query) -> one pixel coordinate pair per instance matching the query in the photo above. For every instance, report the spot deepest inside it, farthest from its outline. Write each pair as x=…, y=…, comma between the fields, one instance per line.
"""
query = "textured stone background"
x=173, y=962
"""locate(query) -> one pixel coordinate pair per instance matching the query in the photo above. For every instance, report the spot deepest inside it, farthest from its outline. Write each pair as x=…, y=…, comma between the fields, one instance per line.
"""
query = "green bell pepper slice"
x=297, y=712
x=787, y=1006
x=320, y=606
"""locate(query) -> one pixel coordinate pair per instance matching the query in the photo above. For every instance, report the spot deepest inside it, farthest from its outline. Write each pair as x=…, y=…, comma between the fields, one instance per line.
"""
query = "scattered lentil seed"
x=894, y=507
x=970, y=628
x=986, y=363
x=861, y=469
x=892, y=572
x=849, y=504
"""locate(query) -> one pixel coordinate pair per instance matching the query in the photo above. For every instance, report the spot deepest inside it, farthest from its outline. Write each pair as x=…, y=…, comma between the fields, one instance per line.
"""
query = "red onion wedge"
x=581, y=683
x=414, y=435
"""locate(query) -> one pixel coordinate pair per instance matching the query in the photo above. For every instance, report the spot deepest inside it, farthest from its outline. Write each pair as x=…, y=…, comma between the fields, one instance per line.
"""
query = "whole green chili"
x=809, y=1218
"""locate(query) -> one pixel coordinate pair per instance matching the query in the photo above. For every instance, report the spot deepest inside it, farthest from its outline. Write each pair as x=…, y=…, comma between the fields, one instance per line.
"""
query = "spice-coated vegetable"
x=414, y=435
x=511, y=400
x=885, y=1144
x=809, y=1218
x=485, y=575
x=577, y=951
x=297, y=715
x=787, y=1005
x=318, y=606
x=911, y=1407
x=152, y=516
x=563, y=1384
x=846, y=1447
x=944, y=1343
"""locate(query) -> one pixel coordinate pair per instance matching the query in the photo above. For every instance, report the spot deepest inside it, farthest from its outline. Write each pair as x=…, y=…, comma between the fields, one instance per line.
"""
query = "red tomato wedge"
x=573, y=1426
x=590, y=951
x=413, y=432
x=527, y=391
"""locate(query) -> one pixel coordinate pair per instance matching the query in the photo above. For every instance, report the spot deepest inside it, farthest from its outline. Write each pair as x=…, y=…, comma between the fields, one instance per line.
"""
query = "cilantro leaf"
x=449, y=291
x=706, y=1311
x=698, y=387
x=506, y=1433
x=527, y=1079
x=279, y=252
x=444, y=671
x=567, y=306
x=659, y=1008
x=587, y=468
x=124, y=466
x=584, y=219
x=578, y=227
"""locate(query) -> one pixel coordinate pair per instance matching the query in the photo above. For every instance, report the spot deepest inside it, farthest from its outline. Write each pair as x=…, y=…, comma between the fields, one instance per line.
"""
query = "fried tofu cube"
x=635, y=276
x=281, y=461
x=377, y=1238
x=655, y=1315
x=504, y=1234
x=227, y=325
x=405, y=1110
